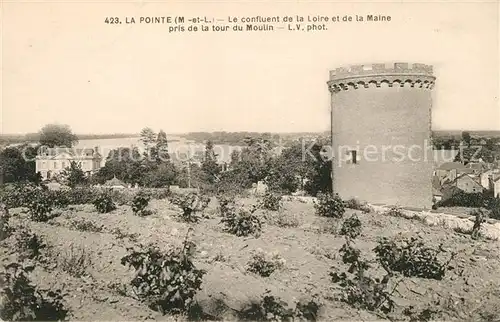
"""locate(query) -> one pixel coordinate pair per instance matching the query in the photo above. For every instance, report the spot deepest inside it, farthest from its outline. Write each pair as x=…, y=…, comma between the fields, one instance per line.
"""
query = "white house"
x=488, y=177
x=496, y=187
x=52, y=161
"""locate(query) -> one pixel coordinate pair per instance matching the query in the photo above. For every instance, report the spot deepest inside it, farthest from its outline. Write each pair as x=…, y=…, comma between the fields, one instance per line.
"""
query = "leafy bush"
x=21, y=301
x=360, y=290
x=329, y=206
x=459, y=198
x=271, y=201
x=494, y=207
x=243, y=223
x=265, y=264
x=424, y=315
x=82, y=195
x=351, y=227
x=59, y=198
x=226, y=205
x=123, y=196
x=410, y=257
x=84, y=225
x=140, y=202
x=355, y=204
x=191, y=205
x=395, y=211
x=40, y=206
x=28, y=244
x=103, y=203
x=20, y=194
x=5, y=228
x=167, y=282
x=158, y=193
x=272, y=308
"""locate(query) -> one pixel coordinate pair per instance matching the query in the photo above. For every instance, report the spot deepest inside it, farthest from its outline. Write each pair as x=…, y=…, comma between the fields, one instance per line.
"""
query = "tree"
x=124, y=164
x=282, y=176
x=319, y=170
x=18, y=164
x=466, y=137
x=161, y=176
x=148, y=138
x=74, y=174
x=162, y=147
x=209, y=164
x=57, y=135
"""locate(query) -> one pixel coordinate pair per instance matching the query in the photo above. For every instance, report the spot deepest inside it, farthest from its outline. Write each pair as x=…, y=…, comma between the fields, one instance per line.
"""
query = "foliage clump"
x=28, y=244
x=360, y=290
x=395, y=211
x=20, y=194
x=191, y=204
x=60, y=198
x=166, y=281
x=351, y=227
x=22, y=301
x=265, y=264
x=40, y=206
x=5, y=228
x=242, y=223
x=271, y=201
x=272, y=308
x=140, y=202
x=227, y=205
x=355, y=204
x=104, y=203
x=329, y=206
x=411, y=257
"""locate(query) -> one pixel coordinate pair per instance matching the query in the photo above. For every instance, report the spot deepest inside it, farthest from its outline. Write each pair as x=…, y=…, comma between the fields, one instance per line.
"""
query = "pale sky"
x=61, y=63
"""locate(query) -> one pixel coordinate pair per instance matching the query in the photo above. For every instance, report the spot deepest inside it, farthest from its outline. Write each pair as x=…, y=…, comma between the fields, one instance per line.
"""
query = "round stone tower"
x=381, y=131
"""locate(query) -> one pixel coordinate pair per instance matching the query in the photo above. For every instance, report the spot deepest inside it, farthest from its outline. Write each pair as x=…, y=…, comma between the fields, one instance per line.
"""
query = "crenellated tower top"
x=392, y=75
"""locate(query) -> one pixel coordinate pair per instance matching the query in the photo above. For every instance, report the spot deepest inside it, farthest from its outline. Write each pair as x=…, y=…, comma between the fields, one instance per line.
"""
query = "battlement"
x=378, y=75
x=381, y=69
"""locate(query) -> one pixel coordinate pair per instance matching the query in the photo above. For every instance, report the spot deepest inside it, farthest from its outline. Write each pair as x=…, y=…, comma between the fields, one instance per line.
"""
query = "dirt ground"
x=94, y=288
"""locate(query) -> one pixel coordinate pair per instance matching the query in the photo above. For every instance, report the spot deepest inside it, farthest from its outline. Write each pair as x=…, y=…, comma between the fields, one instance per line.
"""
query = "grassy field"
x=84, y=248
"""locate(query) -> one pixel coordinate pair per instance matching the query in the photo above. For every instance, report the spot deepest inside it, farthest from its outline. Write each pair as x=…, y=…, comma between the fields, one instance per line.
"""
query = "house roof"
x=442, y=156
x=465, y=171
x=79, y=153
x=477, y=166
x=465, y=175
x=452, y=165
x=114, y=182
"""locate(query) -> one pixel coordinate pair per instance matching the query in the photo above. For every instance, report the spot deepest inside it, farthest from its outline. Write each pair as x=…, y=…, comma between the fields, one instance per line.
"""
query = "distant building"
x=52, y=161
x=478, y=167
x=115, y=183
x=449, y=171
x=466, y=183
x=496, y=187
x=488, y=177
x=444, y=156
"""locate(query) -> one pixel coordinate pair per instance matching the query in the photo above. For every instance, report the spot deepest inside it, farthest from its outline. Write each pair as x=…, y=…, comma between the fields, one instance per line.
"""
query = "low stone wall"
x=491, y=230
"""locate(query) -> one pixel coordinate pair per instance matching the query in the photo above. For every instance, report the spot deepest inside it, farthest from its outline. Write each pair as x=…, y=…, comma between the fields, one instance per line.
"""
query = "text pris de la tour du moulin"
x=250, y=22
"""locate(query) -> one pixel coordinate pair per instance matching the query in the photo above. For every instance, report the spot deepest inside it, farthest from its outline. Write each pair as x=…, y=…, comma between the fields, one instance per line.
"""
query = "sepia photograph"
x=249, y=161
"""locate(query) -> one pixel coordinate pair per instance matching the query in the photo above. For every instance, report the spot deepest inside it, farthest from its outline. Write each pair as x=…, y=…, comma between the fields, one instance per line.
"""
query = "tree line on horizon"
x=286, y=172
